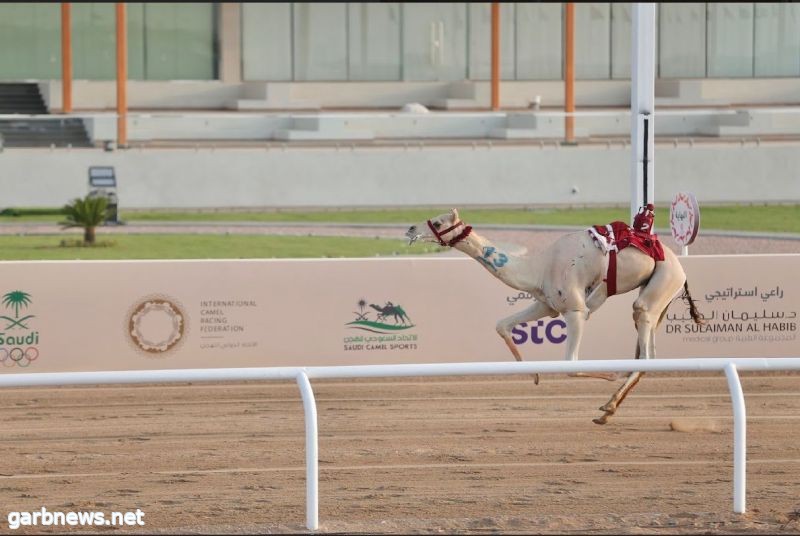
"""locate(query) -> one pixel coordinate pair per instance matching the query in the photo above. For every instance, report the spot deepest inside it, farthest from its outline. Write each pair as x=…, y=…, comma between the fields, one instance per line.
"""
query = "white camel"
x=568, y=278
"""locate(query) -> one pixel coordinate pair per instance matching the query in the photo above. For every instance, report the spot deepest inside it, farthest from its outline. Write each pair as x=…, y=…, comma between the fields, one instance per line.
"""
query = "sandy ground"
x=477, y=455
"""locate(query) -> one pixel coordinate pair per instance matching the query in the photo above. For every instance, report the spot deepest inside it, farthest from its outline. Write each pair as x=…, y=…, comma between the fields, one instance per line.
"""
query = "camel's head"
x=446, y=229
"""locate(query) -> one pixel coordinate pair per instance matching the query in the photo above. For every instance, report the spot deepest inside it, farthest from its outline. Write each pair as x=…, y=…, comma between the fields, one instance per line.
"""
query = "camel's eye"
x=437, y=224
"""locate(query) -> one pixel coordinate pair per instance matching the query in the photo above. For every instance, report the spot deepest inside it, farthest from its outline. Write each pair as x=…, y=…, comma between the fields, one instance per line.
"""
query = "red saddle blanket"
x=624, y=236
x=618, y=235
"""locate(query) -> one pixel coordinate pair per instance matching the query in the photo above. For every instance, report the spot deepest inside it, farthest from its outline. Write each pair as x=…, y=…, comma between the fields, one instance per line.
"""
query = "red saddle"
x=618, y=235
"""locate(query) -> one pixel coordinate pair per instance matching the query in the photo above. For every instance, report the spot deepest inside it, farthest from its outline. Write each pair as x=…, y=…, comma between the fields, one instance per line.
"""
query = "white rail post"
x=739, y=438
x=312, y=448
x=643, y=74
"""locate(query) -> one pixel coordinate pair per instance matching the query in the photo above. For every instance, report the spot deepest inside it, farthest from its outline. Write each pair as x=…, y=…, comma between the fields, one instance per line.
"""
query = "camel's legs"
x=534, y=312
x=648, y=312
x=593, y=302
x=597, y=297
x=575, y=321
x=611, y=406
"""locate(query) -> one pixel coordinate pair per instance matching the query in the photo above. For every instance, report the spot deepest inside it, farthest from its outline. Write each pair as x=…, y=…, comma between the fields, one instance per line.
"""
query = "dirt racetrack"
x=484, y=454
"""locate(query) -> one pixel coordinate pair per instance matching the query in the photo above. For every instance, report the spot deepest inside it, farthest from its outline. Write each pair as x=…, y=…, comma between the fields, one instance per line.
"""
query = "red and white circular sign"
x=684, y=218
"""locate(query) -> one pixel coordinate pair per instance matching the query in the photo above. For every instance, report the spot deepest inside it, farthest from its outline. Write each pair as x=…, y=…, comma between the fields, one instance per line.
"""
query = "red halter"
x=461, y=236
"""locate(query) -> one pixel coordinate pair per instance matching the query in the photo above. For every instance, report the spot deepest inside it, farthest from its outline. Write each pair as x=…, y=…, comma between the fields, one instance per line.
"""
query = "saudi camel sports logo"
x=383, y=315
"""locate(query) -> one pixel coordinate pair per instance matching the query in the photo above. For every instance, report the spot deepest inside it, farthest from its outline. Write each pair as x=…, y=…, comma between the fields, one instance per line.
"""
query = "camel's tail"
x=687, y=297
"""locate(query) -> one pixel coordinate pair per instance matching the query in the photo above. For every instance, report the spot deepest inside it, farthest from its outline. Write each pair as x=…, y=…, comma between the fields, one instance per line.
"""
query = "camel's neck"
x=519, y=272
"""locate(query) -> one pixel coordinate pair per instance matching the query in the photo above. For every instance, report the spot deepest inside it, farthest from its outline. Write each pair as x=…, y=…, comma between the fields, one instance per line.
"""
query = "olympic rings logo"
x=18, y=356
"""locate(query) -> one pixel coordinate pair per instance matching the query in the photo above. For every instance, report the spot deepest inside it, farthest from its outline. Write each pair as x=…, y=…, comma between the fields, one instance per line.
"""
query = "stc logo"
x=555, y=332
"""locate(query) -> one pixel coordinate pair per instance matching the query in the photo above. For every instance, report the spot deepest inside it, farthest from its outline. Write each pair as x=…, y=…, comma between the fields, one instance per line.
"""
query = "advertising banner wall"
x=65, y=316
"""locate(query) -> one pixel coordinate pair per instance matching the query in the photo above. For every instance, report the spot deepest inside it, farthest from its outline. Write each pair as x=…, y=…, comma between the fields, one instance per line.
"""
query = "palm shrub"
x=88, y=213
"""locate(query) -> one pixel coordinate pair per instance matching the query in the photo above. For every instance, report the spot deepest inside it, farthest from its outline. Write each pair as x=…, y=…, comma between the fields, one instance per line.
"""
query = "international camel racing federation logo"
x=18, y=341
x=156, y=325
x=387, y=325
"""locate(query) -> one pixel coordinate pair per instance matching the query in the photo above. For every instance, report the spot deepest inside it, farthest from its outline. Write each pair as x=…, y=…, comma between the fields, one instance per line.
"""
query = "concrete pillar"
x=230, y=42
x=122, y=75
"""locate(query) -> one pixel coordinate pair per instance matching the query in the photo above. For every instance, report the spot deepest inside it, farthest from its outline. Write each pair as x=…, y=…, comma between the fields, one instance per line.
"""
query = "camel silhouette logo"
x=15, y=300
x=387, y=318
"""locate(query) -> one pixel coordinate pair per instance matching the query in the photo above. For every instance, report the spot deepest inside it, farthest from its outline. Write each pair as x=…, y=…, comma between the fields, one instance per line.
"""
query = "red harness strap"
x=461, y=236
x=611, y=276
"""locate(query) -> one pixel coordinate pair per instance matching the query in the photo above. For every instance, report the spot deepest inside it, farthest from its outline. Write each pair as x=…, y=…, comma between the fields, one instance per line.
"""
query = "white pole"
x=739, y=438
x=643, y=73
x=312, y=449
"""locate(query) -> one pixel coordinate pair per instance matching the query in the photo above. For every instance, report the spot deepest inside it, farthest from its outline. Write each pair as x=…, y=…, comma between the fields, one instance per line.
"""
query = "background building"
x=213, y=88
x=398, y=41
x=402, y=45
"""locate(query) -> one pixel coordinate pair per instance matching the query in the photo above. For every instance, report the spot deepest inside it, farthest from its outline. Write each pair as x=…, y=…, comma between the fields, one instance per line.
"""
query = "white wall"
x=746, y=122
x=151, y=94
x=101, y=95
x=265, y=305
x=396, y=176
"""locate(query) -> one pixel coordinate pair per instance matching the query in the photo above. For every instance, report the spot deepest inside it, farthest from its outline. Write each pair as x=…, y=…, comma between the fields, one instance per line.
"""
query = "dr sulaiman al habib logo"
x=18, y=341
x=156, y=325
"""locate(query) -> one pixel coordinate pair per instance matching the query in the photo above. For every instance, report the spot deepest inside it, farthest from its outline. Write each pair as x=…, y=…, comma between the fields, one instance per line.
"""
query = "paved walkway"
x=532, y=237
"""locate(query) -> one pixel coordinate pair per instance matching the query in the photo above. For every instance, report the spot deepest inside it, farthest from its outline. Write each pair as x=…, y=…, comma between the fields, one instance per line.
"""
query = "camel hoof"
x=603, y=419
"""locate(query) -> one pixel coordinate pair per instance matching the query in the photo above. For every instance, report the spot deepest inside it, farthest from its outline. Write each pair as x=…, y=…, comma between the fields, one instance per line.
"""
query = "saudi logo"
x=386, y=318
x=16, y=300
x=20, y=346
x=156, y=325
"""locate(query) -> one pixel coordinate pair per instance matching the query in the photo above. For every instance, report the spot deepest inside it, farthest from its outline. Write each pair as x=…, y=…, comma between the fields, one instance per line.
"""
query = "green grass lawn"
x=198, y=246
x=777, y=218
x=771, y=218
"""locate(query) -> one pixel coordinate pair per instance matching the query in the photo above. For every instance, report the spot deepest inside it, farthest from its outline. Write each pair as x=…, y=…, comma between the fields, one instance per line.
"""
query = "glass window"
x=94, y=41
x=267, y=41
x=179, y=41
x=178, y=38
x=480, y=41
x=374, y=41
x=30, y=41
x=539, y=41
x=621, y=40
x=730, y=40
x=135, y=15
x=777, y=39
x=682, y=40
x=320, y=41
x=434, y=41
x=592, y=41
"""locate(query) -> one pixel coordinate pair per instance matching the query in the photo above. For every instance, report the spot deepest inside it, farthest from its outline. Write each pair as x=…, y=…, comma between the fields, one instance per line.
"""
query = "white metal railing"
x=303, y=375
